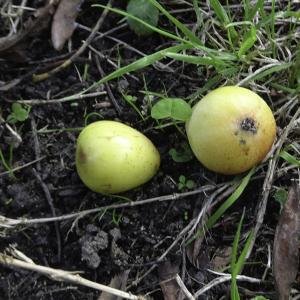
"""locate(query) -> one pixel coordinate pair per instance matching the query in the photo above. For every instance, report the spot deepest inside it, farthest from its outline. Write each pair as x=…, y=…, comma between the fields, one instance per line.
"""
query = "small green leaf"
x=280, y=196
x=182, y=179
x=174, y=108
x=180, y=186
x=182, y=155
x=190, y=184
x=145, y=11
x=259, y=298
x=130, y=98
x=18, y=114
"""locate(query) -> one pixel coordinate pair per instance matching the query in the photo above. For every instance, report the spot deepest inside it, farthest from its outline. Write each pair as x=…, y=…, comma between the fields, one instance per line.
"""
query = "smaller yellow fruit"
x=231, y=130
x=112, y=157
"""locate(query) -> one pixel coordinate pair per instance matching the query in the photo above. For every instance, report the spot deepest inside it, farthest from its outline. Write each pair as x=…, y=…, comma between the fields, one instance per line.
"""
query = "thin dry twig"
x=22, y=167
x=59, y=100
x=8, y=222
x=107, y=86
x=61, y=275
x=224, y=278
x=269, y=180
x=184, y=288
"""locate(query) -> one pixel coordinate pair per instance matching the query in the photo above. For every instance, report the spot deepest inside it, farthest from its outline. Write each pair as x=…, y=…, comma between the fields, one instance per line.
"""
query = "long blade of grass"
x=223, y=17
x=233, y=288
x=193, y=41
x=160, y=31
x=197, y=60
x=270, y=70
x=236, y=242
x=242, y=258
x=189, y=34
x=238, y=267
x=258, y=6
x=136, y=65
x=289, y=158
x=230, y=201
x=197, y=12
x=249, y=40
x=211, y=83
x=226, y=205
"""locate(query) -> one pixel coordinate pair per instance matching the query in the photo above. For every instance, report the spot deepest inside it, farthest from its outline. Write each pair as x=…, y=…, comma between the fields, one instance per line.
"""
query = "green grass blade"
x=236, y=242
x=160, y=31
x=189, y=34
x=230, y=201
x=197, y=12
x=211, y=83
x=226, y=205
x=223, y=17
x=258, y=6
x=289, y=158
x=238, y=267
x=246, y=9
x=271, y=70
x=248, y=42
x=139, y=64
x=242, y=258
x=233, y=288
x=196, y=60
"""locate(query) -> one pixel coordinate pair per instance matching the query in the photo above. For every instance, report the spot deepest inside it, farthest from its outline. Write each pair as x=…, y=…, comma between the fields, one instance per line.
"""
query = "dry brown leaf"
x=167, y=272
x=222, y=258
x=63, y=23
x=285, y=249
x=117, y=282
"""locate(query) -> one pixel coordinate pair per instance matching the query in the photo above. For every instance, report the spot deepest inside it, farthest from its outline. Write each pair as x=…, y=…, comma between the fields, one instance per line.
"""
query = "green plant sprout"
x=183, y=154
x=185, y=183
x=175, y=109
x=280, y=196
x=19, y=113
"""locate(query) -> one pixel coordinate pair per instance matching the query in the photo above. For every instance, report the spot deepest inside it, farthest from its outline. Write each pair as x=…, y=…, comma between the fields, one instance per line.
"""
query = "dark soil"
x=104, y=244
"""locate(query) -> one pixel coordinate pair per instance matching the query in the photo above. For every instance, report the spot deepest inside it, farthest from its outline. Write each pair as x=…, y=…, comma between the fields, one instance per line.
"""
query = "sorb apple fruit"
x=112, y=157
x=231, y=130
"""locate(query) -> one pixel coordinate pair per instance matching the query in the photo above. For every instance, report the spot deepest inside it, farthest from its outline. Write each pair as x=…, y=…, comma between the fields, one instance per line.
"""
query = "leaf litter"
x=286, y=244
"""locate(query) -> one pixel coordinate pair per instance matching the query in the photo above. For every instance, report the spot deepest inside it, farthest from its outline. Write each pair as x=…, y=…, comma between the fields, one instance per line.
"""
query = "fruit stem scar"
x=248, y=124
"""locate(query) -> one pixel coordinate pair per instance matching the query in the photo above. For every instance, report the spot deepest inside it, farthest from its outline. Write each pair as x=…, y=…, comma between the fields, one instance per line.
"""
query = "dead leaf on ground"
x=167, y=272
x=286, y=243
x=222, y=258
x=117, y=282
x=63, y=23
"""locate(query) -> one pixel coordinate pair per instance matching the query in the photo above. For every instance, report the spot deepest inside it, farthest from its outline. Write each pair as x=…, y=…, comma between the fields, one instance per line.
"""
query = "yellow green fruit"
x=231, y=130
x=112, y=157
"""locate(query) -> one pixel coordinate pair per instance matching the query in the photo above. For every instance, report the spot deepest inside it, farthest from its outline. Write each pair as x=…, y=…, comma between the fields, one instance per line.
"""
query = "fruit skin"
x=231, y=130
x=112, y=157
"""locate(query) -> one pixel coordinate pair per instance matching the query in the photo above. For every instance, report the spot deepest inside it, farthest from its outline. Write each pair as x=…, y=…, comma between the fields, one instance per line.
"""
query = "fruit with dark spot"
x=231, y=130
x=112, y=157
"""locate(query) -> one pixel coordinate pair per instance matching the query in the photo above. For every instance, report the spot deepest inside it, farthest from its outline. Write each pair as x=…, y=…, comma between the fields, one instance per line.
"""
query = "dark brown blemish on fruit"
x=249, y=125
x=81, y=155
x=236, y=133
x=242, y=142
x=246, y=150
